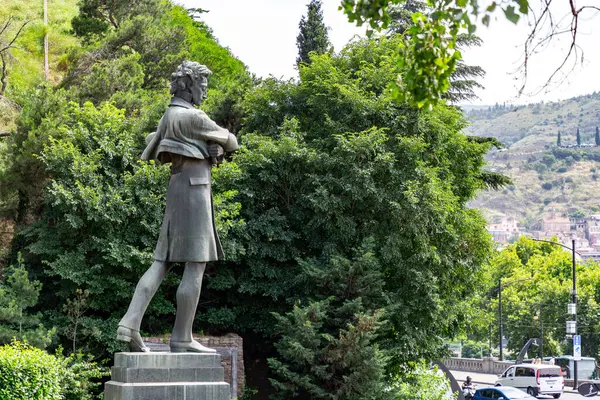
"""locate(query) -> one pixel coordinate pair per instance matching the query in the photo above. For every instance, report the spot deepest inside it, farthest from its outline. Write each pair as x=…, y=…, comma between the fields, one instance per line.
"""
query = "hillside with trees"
x=552, y=156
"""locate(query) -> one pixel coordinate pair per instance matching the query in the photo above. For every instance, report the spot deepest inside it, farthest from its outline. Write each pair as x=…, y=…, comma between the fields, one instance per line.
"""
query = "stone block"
x=132, y=375
x=167, y=376
x=167, y=360
x=167, y=391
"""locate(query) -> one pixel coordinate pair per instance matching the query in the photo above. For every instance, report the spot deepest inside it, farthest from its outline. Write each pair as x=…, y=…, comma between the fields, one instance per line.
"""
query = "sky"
x=262, y=34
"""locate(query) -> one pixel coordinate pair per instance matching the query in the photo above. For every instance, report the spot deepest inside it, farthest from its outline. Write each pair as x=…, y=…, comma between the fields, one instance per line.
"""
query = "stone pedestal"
x=167, y=376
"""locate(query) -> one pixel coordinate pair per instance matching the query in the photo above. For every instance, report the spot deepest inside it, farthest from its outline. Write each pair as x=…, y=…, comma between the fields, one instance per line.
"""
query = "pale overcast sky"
x=262, y=34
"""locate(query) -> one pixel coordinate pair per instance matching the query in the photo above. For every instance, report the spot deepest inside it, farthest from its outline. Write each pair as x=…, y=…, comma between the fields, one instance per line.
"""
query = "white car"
x=535, y=379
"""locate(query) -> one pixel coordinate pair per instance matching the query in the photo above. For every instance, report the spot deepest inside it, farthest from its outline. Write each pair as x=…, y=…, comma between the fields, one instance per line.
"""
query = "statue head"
x=190, y=82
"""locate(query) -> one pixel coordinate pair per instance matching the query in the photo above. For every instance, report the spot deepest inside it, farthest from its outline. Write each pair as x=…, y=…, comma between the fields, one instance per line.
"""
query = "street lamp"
x=500, y=327
x=571, y=325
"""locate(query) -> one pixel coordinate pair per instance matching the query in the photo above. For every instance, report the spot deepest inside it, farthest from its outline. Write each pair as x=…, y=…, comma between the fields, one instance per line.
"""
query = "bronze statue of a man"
x=188, y=139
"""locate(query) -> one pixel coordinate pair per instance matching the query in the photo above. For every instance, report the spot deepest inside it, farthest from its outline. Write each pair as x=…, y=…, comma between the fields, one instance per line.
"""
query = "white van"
x=535, y=379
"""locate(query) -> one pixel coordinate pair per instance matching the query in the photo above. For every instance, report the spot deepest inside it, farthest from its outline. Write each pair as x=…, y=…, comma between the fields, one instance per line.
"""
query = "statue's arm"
x=209, y=131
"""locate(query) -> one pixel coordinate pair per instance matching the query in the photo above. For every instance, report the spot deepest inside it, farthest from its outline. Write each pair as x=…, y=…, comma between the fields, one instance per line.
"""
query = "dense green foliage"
x=313, y=33
x=27, y=373
x=423, y=383
x=350, y=247
x=338, y=174
x=537, y=280
x=17, y=295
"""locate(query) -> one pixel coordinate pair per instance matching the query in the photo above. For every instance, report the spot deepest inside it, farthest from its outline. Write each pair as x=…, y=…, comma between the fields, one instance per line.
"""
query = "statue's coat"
x=188, y=231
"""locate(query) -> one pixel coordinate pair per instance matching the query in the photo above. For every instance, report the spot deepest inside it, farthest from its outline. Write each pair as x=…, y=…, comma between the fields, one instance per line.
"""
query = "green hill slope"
x=546, y=178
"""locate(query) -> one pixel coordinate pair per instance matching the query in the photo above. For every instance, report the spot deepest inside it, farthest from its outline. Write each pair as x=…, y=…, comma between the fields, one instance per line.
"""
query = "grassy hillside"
x=26, y=60
x=546, y=178
x=27, y=64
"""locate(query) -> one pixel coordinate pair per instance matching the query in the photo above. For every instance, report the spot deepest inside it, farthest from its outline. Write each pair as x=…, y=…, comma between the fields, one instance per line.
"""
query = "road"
x=482, y=380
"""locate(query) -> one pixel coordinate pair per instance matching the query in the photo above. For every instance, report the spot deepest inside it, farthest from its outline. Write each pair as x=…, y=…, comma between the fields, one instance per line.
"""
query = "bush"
x=82, y=377
x=422, y=383
x=27, y=373
x=546, y=186
x=562, y=169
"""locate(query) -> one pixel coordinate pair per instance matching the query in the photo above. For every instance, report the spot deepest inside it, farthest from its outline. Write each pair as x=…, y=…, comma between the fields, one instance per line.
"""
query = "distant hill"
x=546, y=178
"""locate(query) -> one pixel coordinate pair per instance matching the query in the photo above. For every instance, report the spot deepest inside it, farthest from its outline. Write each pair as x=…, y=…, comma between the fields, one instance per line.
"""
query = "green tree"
x=330, y=163
x=17, y=295
x=538, y=280
x=313, y=33
x=597, y=137
x=578, y=138
x=558, y=142
x=328, y=348
x=463, y=81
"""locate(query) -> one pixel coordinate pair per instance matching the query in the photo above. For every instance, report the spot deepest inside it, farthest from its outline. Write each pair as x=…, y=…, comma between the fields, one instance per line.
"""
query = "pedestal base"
x=167, y=376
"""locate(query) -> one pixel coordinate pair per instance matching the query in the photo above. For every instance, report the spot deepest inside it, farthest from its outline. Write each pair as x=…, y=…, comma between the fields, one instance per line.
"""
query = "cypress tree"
x=558, y=143
x=578, y=138
x=597, y=136
x=313, y=33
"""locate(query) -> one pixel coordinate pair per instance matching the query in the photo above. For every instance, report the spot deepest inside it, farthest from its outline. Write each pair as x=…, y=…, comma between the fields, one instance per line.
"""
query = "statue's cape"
x=185, y=130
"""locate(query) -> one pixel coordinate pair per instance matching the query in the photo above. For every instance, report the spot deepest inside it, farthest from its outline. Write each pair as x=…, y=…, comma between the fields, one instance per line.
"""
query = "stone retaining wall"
x=485, y=366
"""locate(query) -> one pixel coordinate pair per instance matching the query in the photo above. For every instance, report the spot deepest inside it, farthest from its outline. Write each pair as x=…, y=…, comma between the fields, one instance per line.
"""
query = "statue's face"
x=199, y=90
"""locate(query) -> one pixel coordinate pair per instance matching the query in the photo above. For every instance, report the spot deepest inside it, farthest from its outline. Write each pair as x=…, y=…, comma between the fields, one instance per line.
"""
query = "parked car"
x=501, y=393
x=535, y=379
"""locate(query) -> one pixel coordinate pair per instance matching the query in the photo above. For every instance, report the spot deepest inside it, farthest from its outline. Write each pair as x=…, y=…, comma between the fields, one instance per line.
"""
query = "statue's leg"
x=129, y=325
x=188, y=295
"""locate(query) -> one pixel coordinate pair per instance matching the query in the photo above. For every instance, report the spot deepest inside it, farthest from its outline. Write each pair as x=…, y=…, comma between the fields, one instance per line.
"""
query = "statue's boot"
x=129, y=326
x=133, y=338
x=188, y=295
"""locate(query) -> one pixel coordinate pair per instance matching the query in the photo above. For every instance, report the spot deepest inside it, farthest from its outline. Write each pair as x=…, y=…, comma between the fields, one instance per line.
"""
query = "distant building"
x=556, y=224
x=504, y=228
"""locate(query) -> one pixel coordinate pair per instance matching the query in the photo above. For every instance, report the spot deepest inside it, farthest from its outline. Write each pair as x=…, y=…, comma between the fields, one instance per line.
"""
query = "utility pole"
x=541, y=335
x=46, y=64
x=575, y=315
x=500, y=315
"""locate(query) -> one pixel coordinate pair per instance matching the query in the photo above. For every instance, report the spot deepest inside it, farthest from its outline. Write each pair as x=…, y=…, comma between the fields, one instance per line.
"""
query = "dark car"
x=501, y=393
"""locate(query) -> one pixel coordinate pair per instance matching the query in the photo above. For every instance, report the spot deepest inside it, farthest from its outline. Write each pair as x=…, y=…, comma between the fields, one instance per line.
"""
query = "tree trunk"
x=3, y=73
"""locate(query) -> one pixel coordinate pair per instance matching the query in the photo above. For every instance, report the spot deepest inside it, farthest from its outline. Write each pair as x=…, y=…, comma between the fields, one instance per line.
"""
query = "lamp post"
x=500, y=326
x=574, y=297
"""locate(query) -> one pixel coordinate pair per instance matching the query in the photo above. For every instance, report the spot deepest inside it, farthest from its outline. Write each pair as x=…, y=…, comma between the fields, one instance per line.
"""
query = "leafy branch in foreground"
x=431, y=47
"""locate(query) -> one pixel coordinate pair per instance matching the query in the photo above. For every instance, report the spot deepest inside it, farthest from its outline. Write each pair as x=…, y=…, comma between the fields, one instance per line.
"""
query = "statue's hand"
x=215, y=150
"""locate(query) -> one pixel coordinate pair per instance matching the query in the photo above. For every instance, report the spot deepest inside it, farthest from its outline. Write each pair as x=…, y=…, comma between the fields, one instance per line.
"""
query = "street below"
x=482, y=380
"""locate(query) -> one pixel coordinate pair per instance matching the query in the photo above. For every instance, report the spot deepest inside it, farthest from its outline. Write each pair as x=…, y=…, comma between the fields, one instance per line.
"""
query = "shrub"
x=569, y=180
x=547, y=186
x=422, y=383
x=27, y=373
x=562, y=169
x=82, y=378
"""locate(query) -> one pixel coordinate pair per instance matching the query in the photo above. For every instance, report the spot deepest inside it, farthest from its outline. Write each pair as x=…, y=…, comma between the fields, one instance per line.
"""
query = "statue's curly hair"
x=189, y=69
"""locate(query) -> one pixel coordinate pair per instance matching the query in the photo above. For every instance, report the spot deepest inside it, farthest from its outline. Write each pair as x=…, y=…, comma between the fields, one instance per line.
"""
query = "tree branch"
x=9, y=45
